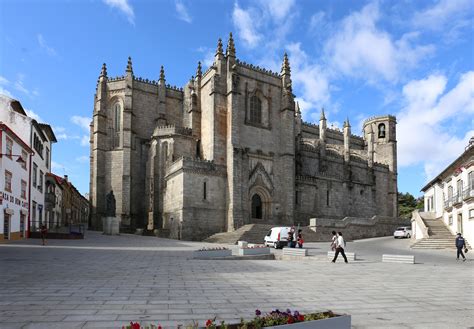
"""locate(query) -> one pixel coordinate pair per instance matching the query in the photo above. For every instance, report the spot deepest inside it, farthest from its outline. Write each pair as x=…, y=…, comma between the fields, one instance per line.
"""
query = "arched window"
x=256, y=206
x=382, y=130
x=255, y=110
x=117, y=117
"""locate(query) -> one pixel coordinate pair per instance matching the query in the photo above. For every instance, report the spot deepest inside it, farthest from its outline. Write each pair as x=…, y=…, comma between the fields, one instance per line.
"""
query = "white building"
x=40, y=138
x=15, y=162
x=450, y=195
x=53, y=200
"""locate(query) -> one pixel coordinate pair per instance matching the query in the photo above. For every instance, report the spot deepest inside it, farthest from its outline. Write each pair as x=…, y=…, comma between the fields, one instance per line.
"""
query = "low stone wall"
x=355, y=228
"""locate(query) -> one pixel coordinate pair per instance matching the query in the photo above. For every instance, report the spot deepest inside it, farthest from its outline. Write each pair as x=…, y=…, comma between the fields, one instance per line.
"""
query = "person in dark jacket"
x=460, y=244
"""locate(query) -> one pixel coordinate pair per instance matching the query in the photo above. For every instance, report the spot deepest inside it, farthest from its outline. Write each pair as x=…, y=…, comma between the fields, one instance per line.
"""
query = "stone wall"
x=354, y=228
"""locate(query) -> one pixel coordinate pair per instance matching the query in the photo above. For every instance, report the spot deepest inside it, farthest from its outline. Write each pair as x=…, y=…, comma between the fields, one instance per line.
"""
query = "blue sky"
x=412, y=59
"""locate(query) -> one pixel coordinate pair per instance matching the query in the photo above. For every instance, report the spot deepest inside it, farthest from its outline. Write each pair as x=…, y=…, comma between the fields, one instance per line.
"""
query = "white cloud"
x=358, y=48
x=124, y=7
x=310, y=79
x=208, y=58
x=82, y=159
x=246, y=22
x=427, y=126
x=5, y=92
x=317, y=21
x=183, y=12
x=57, y=166
x=85, y=140
x=82, y=122
x=443, y=14
x=3, y=81
x=278, y=9
x=42, y=42
x=33, y=115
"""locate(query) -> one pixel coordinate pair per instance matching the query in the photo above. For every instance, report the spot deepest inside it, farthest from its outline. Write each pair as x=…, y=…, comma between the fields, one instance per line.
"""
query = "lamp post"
x=19, y=160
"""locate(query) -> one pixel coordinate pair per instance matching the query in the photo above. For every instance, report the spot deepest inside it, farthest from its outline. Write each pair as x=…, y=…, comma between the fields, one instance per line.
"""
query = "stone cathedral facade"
x=228, y=149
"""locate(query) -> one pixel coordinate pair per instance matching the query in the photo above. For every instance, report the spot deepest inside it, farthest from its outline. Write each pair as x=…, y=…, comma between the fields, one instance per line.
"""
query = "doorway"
x=257, y=207
x=460, y=223
x=6, y=227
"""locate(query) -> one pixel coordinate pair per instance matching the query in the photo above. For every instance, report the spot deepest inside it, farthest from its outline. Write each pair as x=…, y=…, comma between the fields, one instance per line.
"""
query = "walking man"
x=460, y=244
x=340, y=245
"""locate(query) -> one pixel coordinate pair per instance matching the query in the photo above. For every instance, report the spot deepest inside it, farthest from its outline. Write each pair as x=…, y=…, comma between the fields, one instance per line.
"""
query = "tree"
x=407, y=203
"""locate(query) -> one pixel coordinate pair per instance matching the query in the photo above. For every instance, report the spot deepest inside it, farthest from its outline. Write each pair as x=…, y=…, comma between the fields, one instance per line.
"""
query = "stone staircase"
x=254, y=233
x=440, y=237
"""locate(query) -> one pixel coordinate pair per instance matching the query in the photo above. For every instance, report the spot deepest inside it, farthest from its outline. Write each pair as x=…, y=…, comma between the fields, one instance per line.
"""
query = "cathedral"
x=228, y=149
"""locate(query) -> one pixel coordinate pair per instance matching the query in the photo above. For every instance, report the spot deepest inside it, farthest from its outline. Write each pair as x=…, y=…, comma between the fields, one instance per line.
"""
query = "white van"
x=277, y=237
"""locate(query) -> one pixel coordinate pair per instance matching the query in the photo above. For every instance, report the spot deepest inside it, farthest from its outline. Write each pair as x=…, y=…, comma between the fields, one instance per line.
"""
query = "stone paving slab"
x=106, y=282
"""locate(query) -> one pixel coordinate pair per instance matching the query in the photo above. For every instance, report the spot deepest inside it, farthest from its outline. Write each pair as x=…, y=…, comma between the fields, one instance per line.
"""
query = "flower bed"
x=254, y=251
x=275, y=319
x=212, y=253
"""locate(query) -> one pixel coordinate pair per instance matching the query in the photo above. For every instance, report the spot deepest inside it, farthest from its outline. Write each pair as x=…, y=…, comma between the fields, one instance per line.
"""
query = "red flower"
x=159, y=327
x=290, y=320
x=135, y=325
x=301, y=318
x=208, y=323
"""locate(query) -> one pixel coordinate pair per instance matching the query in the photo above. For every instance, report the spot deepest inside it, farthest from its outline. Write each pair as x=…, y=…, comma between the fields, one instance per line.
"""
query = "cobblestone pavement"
x=106, y=282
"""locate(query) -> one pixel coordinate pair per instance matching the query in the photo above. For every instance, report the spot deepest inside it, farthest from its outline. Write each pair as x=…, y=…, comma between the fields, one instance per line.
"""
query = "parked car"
x=277, y=237
x=402, y=232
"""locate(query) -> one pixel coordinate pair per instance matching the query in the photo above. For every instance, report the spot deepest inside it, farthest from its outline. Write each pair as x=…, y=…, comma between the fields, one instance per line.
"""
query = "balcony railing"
x=457, y=199
x=468, y=193
x=448, y=203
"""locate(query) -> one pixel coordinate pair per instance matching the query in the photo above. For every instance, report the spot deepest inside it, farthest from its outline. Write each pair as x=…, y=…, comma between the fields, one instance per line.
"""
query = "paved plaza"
x=108, y=281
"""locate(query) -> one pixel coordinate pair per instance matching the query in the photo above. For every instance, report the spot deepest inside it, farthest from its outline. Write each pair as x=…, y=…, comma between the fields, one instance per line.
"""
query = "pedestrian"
x=43, y=232
x=291, y=236
x=333, y=241
x=300, y=239
x=460, y=245
x=340, y=245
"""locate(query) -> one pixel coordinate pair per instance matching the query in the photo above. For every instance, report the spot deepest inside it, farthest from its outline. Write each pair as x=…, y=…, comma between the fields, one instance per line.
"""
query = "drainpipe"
x=29, y=196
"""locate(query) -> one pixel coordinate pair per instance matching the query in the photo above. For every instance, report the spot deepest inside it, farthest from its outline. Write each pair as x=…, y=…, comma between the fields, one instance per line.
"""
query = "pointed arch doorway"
x=259, y=204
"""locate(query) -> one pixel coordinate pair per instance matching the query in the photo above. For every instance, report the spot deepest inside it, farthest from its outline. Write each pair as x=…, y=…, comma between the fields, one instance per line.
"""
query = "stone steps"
x=440, y=237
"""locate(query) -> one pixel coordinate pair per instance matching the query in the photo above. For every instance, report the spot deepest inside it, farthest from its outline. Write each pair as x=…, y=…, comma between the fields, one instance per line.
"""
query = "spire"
x=162, y=73
x=199, y=70
x=285, y=66
x=346, y=123
x=219, y=47
x=230, y=51
x=129, y=66
x=298, y=111
x=103, y=72
x=322, y=117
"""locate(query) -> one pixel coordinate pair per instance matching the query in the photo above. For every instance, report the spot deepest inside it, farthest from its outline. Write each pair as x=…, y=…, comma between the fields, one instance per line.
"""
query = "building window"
x=256, y=206
x=450, y=220
x=117, y=117
x=382, y=130
x=9, y=147
x=47, y=158
x=471, y=213
x=24, y=157
x=327, y=198
x=470, y=179
x=35, y=171
x=23, y=189
x=38, y=145
x=204, y=196
x=40, y=182
x=8, y=181
x=450, y=193
x=255, y=110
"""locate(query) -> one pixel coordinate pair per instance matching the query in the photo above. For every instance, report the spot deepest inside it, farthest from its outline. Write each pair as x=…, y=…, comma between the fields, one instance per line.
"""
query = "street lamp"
x=19, y=160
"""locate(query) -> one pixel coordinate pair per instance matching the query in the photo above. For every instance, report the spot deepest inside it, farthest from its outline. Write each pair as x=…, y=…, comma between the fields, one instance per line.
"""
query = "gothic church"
x=228, y=149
